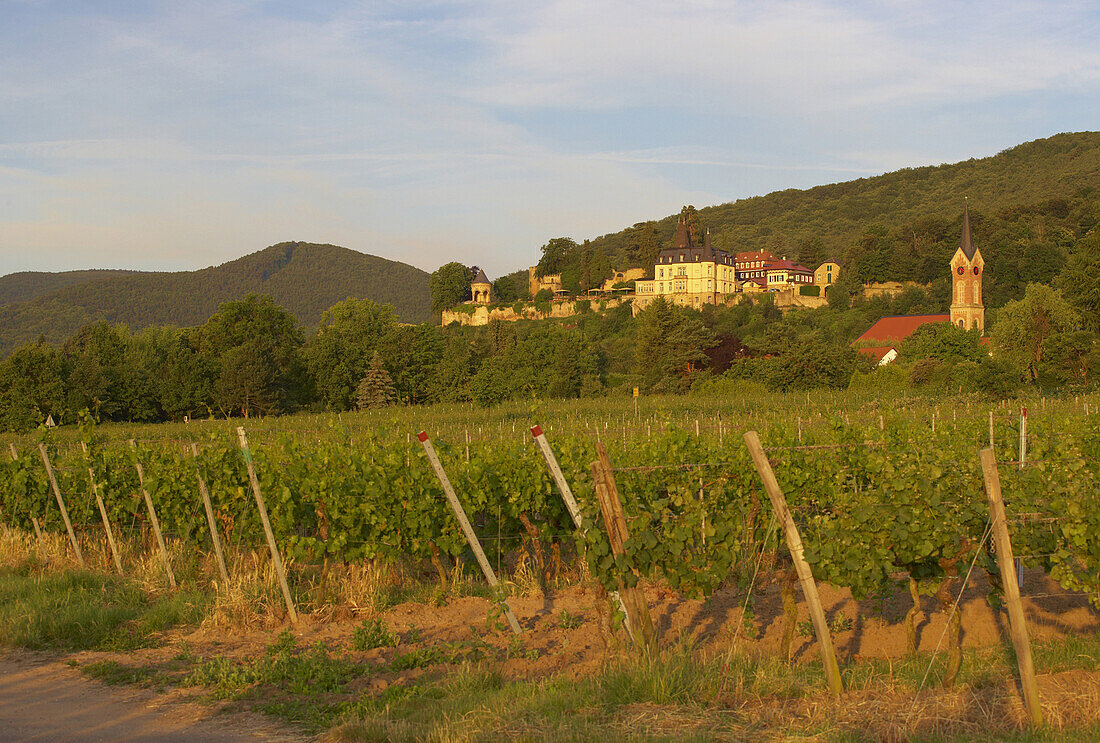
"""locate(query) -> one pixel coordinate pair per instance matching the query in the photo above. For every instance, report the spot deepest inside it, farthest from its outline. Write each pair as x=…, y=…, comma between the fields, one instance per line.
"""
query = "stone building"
x=550, y=282
x=967, y=269
x=827, y=274
x=481, y=289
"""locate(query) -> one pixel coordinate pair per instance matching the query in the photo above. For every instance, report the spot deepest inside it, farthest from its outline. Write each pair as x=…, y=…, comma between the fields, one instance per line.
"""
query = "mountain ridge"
x=305, y=278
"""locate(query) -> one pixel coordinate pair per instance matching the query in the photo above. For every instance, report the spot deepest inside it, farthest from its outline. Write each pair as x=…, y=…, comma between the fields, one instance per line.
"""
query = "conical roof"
x=481, y=278
x=682, y=238
x=966, y=244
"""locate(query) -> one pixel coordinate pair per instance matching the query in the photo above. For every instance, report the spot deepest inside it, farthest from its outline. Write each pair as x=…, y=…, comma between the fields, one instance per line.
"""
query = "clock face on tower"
x=963, y=270
x=975, y=270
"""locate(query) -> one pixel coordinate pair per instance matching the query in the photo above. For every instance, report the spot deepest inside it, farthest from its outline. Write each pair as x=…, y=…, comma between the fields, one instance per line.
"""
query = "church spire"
x=966, y=244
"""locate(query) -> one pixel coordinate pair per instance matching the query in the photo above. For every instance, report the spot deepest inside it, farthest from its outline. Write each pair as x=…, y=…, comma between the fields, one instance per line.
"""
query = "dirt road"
x=46, y=700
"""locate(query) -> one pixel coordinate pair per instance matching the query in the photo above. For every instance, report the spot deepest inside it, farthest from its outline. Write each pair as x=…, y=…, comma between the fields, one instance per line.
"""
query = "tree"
x=376, y=388
x=690, y=216
x=504, y=290
x=1080, y=279
x=1025, y=326
x=413, y=354
x=339, y=353
x=94, y=374
x=642, y=246
x=556, y=255
x=670, y=346
x=255, y=347
x=31, y=387
x=450, y=286
x=944, y=341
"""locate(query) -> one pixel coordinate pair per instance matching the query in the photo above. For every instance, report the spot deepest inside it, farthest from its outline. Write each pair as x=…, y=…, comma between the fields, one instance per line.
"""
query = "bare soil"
x=43, y=699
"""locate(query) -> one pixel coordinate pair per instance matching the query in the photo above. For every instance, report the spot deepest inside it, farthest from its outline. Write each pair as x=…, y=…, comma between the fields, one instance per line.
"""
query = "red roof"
x=875, y=353
x=897, y=328
x=787, y=265
x=759, y=255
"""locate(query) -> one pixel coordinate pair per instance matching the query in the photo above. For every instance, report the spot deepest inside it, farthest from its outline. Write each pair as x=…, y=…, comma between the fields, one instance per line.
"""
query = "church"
x=880, y=342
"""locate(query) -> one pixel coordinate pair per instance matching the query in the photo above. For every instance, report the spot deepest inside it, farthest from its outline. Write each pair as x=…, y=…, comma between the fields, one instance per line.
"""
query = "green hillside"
x=1028, y=204
x=19, y=287
x=304, y=278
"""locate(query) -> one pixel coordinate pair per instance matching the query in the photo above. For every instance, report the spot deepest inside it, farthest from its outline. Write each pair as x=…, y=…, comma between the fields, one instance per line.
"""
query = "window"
x=975, y=295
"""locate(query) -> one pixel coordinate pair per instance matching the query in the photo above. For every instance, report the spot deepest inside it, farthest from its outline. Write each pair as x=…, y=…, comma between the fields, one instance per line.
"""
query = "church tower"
x=967, y=269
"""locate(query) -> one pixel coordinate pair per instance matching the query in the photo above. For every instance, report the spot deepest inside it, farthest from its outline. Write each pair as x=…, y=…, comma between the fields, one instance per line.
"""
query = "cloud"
x=795, y=56
x=169, y=135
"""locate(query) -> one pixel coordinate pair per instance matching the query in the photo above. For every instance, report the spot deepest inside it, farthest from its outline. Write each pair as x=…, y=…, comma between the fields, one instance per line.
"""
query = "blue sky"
x=182, y=134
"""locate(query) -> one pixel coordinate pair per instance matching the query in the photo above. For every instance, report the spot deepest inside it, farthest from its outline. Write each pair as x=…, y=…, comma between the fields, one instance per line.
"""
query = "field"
x=398, y=635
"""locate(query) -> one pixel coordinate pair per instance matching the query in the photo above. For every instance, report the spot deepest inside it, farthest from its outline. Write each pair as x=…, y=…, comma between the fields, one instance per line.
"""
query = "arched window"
x=975, y=300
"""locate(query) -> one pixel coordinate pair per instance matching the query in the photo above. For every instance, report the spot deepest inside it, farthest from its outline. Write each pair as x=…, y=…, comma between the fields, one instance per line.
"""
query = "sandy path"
x=46, y=700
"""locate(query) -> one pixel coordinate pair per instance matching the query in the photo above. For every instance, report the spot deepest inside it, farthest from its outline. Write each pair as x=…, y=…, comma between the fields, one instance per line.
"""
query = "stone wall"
x=475, y=315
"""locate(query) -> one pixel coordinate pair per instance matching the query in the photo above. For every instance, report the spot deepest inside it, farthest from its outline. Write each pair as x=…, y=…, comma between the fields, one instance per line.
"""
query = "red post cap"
x=536, y=431
x=422, y=436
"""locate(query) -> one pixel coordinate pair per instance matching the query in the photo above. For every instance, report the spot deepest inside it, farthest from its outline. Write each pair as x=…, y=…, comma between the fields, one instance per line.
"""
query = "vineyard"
x=874, y=490
x=883, y=494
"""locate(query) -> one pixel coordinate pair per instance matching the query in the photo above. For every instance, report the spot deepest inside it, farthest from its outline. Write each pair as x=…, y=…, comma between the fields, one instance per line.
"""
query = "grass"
x=371, y=634
x=117, y=674
x=80, y=610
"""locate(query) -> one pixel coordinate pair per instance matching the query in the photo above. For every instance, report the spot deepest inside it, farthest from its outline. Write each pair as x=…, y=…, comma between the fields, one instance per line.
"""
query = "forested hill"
x=1027, y=203
x=19, y=287
x=304, y=278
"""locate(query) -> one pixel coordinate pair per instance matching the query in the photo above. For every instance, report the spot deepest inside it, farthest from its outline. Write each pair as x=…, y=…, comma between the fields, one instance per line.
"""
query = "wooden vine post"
x=61, y=504
x=794, y=544
x=464, y=522
x=1023, y=437
x=557, y=474
x=276, y=560
x=210, y=520
x=102, y=511
x=153, y=520
x=34, y=519
x=633, y=599
x=1016, y=623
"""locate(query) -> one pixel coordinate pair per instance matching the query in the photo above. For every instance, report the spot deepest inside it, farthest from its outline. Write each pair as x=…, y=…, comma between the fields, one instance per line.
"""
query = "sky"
x=178, y=135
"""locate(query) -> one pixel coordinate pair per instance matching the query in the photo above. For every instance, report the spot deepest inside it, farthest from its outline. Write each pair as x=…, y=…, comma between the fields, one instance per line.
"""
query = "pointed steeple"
x=966, y=244
x=708, y=249
x=481, y=278
x=682, y=238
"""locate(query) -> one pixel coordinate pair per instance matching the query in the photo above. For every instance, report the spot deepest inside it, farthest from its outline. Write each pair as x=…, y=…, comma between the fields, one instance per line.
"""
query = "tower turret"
x=481, y=289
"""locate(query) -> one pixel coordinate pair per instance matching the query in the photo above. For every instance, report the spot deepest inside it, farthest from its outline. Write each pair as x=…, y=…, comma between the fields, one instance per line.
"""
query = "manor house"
x=691, y=275
x=688, y=274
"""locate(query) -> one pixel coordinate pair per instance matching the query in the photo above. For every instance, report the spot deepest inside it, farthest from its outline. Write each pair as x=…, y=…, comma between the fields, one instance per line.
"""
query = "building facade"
x=550, y=282
x=787, y=274
x=827, y=274
x=687, y=274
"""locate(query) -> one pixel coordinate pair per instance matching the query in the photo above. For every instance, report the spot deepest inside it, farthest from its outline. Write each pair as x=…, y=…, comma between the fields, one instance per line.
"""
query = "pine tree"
x=376, y=387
